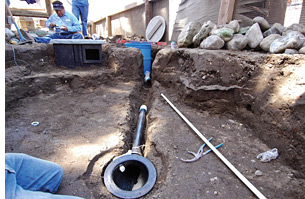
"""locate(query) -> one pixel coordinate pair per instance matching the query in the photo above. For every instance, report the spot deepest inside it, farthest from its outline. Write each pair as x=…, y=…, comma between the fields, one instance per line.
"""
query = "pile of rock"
x=260, y=36
x=13, y=37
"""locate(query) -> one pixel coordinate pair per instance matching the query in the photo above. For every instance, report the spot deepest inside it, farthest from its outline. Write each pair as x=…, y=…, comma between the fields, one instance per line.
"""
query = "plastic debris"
x=122, y=168
x=14, y=41
x=35, y=123
x=174, y=45
x=268, y=155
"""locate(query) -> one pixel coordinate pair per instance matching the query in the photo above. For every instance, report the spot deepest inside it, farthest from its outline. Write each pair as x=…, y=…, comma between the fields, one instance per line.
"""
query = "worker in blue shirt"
x=80, y=8
x=65, y=24
x=27, y=177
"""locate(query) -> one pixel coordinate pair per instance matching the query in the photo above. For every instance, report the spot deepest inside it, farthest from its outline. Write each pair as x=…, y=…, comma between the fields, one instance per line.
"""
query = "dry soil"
x=250, y=101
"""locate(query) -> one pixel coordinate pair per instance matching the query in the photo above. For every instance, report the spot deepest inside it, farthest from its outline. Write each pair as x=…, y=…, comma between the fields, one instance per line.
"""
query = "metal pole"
x=225, y=161
x=139, y=132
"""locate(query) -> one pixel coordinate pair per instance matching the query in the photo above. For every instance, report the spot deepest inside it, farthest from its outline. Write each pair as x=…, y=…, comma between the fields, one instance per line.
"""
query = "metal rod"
x=225, y=161
x=139, y=132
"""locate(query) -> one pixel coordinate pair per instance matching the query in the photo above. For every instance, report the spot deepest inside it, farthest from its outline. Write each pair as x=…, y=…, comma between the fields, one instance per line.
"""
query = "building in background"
x=293, y=12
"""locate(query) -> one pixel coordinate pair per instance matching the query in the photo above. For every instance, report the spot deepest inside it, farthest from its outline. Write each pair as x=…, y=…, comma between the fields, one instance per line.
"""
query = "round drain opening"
x=130, y=176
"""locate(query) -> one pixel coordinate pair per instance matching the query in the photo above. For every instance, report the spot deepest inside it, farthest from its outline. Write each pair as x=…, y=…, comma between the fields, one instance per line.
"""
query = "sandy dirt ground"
x=251, y=102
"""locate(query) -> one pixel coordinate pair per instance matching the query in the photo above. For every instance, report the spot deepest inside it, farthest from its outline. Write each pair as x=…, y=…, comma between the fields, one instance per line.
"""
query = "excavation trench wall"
x=250, y=101
x=256, y=88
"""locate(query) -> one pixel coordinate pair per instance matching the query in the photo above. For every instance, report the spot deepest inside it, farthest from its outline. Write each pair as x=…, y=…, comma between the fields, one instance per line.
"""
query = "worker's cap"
x=57, y=5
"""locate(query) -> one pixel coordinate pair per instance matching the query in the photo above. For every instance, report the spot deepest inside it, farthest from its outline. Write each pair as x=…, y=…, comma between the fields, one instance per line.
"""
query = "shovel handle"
x=9, y=12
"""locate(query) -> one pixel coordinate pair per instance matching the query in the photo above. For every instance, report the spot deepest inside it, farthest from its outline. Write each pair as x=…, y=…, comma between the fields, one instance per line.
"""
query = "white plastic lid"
x=155, y=29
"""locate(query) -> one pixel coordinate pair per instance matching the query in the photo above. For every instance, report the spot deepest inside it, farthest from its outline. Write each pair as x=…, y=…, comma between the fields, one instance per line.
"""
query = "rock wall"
x=261, y=36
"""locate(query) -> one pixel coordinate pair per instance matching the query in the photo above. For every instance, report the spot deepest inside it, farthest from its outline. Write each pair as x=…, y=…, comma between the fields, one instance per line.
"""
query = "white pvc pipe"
x=233, y=169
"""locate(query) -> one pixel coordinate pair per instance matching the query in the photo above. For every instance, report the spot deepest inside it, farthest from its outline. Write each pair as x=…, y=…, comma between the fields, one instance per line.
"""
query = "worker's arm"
x=51, y=22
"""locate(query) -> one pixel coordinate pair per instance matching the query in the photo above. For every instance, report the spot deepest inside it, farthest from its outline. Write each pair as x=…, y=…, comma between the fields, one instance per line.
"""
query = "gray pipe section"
x=139, y=132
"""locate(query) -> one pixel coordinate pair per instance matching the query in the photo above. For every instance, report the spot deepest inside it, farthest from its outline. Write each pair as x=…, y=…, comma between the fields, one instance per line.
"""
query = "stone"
x=234, y=25
x=272, y=30
x=203, y=33
x=293, y=40
x=224, y=33
x=299, y=36
x=213, y=30
x=255, y=36
x=213, y=42
x=296, y=27
x=10, y=33
x=185, y=38
x=278, y=26
x=258, y=173
x=39, y=32
x=263, y=23
x=302, y=50
x=286, y=32
x=291, y=51
x=238, y=42
x=7, y=37
x=267, y=41
x=244, y=30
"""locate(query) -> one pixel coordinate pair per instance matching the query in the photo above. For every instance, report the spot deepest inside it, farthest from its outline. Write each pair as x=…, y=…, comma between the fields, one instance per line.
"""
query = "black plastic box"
x=77, y=52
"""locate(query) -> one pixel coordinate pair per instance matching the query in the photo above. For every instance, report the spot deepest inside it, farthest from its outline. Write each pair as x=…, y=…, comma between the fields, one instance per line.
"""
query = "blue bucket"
x=146, y=52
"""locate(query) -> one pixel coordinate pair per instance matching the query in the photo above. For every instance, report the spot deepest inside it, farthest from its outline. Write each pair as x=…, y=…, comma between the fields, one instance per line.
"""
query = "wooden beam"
x=148, y=12
x=100, y=20
x=112, y=14
x=29, y=13
x=93, y=28
x=226, y=11
x=119, y=12
x=49, y=7
x=108, y=25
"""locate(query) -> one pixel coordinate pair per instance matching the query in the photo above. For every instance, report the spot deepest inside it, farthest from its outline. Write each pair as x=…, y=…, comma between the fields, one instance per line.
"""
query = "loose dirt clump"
x=252, y=102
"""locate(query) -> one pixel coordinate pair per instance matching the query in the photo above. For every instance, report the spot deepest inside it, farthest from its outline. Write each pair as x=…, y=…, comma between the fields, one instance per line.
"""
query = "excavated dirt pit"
x=252, y=102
